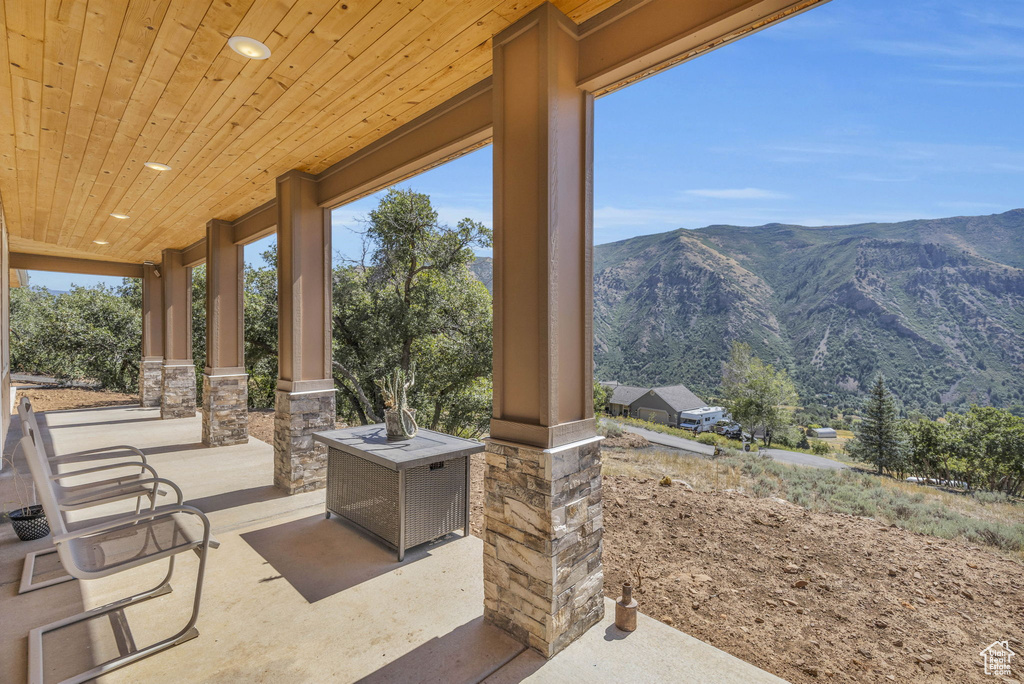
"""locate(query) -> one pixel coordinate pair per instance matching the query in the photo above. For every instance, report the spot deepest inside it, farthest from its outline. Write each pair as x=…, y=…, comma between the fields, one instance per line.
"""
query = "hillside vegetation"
x=935, y=305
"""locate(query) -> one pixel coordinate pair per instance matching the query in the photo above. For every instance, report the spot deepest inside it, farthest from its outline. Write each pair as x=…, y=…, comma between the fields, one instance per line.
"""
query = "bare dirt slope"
x=811, y=596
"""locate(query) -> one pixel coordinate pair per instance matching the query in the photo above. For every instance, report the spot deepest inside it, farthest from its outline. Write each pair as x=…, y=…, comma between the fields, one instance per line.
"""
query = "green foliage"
x=416, y=299
x=820, y=448
x=199, y=327
x=609, y=429
x=707, y=438
x=260, y=301
x=982, y=449
x=87, y=334
x=756, y=394
x=602, y=395
x=880, y=439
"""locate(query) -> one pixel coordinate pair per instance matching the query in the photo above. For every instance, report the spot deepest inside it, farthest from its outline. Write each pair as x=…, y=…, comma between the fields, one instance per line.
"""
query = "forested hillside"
x=936, y=305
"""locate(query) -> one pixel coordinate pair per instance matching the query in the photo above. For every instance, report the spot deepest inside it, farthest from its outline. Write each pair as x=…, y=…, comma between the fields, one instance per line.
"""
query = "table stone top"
x=370, y=442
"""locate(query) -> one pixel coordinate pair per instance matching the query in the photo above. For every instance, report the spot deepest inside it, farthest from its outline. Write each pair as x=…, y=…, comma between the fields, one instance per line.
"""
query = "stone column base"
x=178, y=396
x=300, y=464
x=543, y=525
x=225, y=409
x=151, y=380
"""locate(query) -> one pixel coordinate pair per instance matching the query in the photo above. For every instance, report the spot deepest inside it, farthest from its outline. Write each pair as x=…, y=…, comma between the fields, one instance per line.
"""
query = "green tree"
x=415, y=299
x=86, y=334
x=199, y=327
x=879, y=437
x=759, y=396
x=602, y=395
x=261, y=329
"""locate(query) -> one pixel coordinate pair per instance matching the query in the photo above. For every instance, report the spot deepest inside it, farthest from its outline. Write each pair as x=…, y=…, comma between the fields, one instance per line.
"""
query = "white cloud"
x=737, y=193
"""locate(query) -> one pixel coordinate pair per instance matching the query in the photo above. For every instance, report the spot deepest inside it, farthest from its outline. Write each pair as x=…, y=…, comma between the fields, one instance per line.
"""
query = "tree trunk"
x=363, y=401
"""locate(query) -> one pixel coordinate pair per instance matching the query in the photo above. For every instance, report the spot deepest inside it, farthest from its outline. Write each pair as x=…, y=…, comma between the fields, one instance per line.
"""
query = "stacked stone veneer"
x=225, y=409
x=178, y=394
x=300, y=464
x=543, y=525
x=151, y=380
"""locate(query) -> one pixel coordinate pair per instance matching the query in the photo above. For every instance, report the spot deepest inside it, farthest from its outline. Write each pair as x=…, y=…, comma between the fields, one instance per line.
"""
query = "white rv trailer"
x=701, y=419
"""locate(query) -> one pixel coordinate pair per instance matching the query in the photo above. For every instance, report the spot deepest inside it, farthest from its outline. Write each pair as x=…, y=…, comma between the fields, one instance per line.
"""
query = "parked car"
x=728, y=428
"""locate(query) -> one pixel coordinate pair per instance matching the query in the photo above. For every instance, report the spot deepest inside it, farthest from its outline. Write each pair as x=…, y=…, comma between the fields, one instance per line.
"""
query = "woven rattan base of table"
x=402, y=508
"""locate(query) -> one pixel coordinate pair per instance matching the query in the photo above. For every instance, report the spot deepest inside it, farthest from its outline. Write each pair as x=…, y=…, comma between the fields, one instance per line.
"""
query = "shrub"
x=611, y=430
x=708, y=438
x=784, y=440
x=764, y=487
x=819, y=447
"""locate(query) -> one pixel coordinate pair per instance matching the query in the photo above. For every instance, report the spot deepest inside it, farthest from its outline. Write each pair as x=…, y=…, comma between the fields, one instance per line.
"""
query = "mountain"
x=935, y=305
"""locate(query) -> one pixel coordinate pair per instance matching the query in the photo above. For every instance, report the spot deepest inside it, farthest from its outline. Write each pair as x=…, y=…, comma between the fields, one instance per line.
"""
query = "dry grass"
x=982, y=518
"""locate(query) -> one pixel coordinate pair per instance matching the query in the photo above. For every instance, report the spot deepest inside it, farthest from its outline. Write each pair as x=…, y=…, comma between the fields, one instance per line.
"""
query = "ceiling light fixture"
x=119, y=216
x=248, y=47
x=101, y=242
x=157, y=166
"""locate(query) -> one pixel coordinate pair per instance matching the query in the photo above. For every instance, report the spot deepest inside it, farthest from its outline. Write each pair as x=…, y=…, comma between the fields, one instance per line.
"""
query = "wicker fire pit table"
x=405, y=493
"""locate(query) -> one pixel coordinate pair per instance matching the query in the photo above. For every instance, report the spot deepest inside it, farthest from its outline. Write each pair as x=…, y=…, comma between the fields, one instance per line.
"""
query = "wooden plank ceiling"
x=94, y=89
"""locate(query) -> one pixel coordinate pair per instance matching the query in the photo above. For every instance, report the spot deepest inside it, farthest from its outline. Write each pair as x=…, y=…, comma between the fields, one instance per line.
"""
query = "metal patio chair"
x=128, y=485
x=123, y=451
x=103, y=549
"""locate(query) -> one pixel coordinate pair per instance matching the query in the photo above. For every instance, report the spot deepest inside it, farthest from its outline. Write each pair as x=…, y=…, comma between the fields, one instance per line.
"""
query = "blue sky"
x=860, y=110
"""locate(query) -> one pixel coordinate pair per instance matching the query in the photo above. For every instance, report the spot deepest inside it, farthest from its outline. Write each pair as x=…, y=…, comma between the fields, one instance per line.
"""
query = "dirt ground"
x=807, y=596
x=811, y=596
x=261, y=424
x=54, y=398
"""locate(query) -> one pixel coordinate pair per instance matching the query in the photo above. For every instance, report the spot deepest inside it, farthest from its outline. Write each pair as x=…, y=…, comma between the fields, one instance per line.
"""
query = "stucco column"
x=543, y=519
x=178, y=394
x=151, y=365
x=304, y=402
x=225, y=383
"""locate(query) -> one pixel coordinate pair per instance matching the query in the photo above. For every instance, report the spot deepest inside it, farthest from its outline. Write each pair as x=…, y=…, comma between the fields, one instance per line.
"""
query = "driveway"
x=780, y=455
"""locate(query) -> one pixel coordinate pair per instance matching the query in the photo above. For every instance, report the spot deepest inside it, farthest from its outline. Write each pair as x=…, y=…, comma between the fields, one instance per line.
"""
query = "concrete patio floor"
x=292, y=597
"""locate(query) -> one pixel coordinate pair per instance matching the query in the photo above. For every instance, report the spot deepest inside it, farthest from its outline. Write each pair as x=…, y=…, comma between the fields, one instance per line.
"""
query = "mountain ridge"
x=935, y=304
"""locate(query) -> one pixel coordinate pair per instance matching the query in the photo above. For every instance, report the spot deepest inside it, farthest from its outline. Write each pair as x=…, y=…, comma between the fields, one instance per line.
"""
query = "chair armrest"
x=101, y=450
x=109, y=466
x=134, y=483
x=132, y=455
x=163, y=511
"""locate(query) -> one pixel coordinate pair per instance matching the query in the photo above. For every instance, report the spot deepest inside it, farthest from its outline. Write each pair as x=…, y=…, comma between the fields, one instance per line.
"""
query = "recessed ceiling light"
x=119, y=216
x=248, y=47
x=157, y=166
x=101, y=242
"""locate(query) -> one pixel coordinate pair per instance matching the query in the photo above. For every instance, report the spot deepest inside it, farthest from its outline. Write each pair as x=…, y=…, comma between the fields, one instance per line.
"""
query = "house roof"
x=679, y=397
x=626, y=394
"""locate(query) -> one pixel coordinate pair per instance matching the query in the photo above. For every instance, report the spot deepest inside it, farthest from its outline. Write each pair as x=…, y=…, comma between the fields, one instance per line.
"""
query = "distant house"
x=823, y=433
x=674, y=405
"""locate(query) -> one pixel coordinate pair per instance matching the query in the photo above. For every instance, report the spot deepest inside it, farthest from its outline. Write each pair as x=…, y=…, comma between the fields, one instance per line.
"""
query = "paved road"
x=780, y=455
